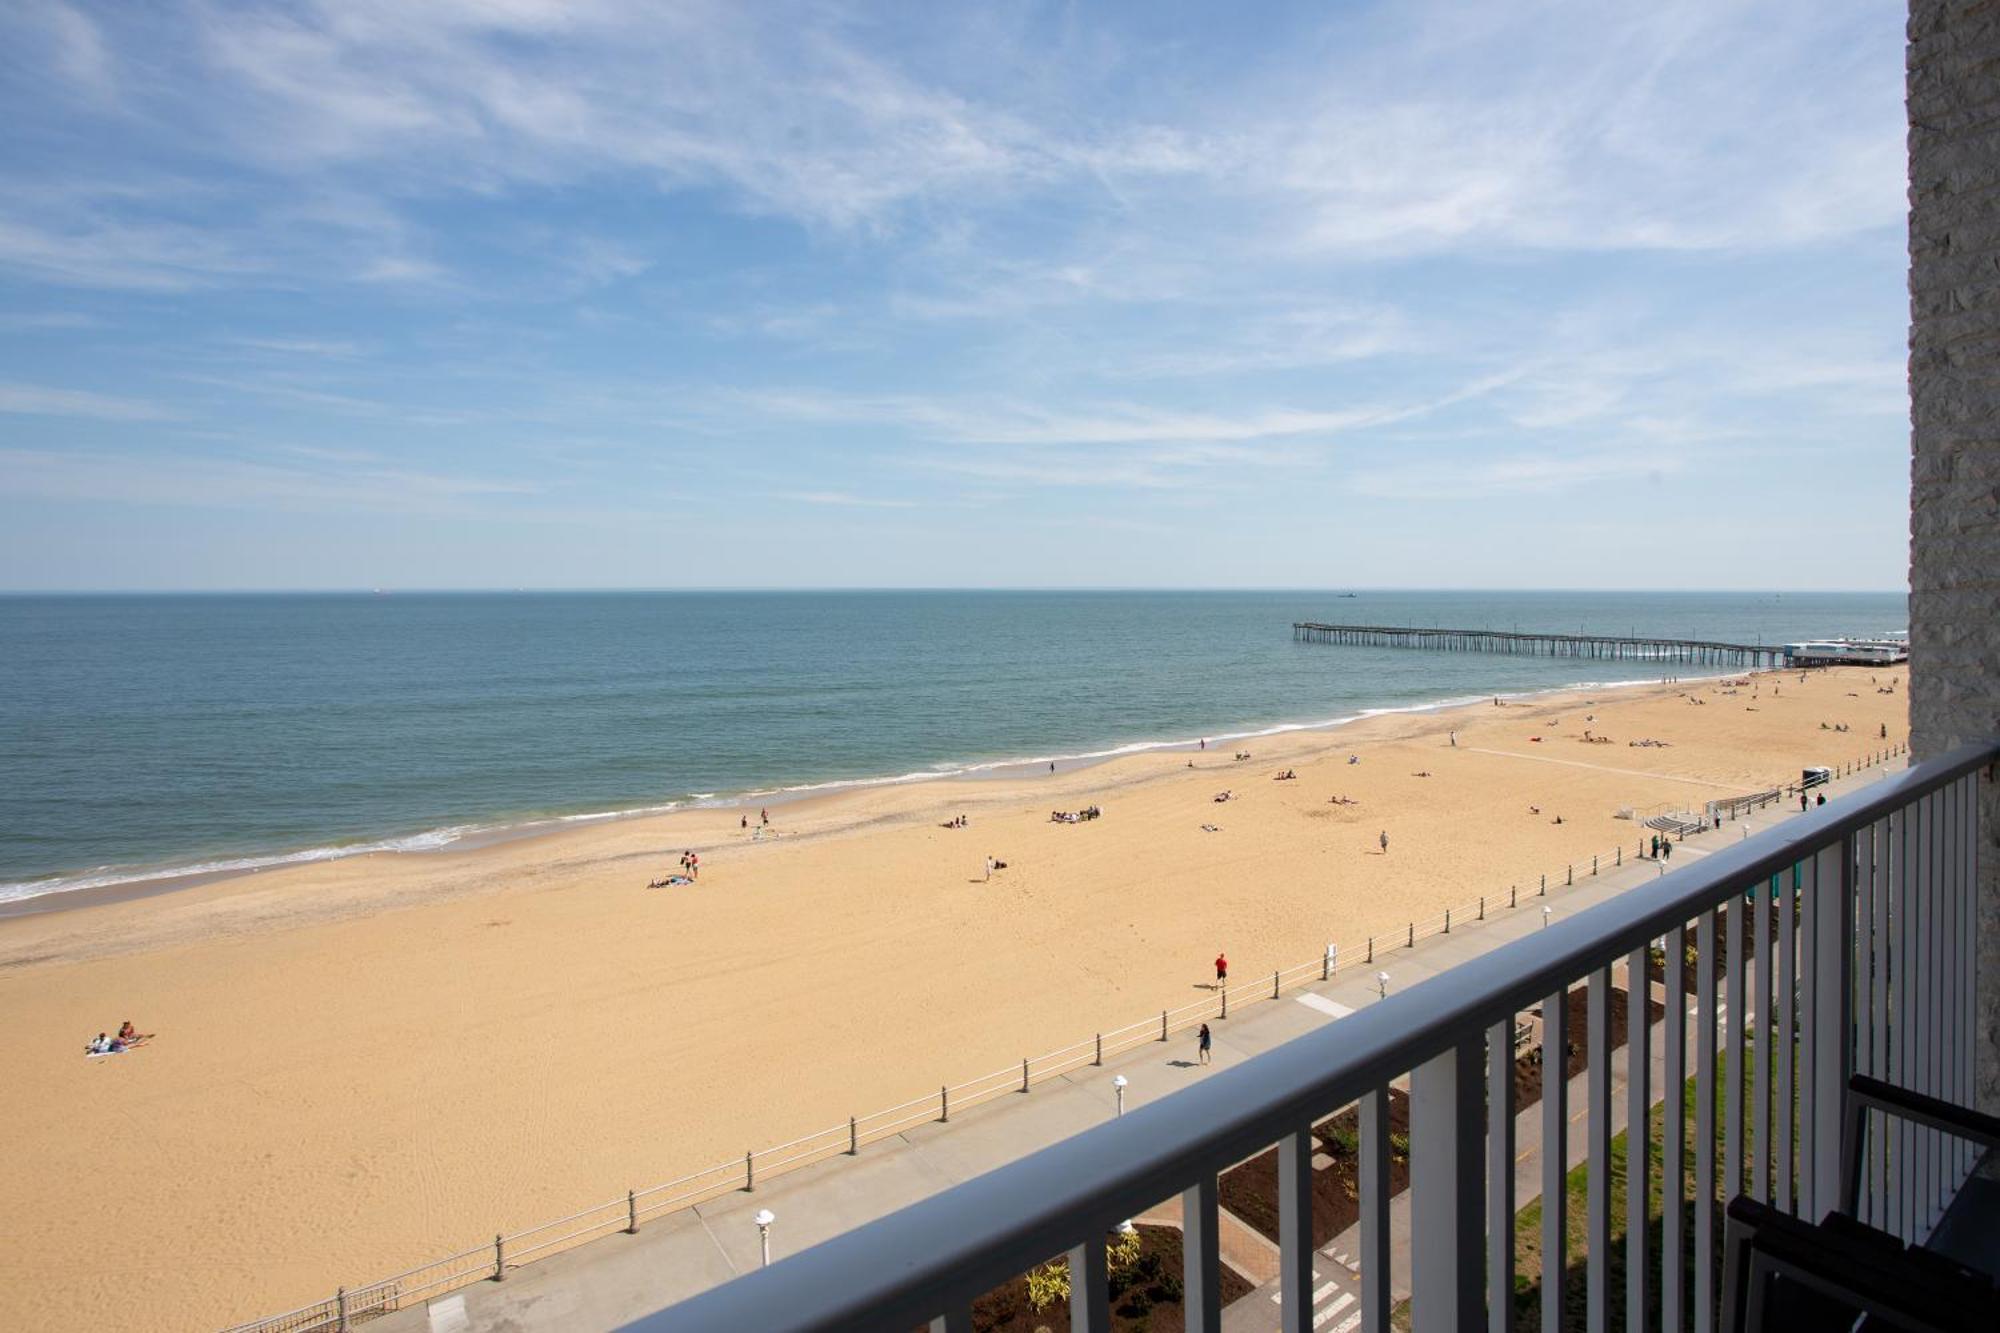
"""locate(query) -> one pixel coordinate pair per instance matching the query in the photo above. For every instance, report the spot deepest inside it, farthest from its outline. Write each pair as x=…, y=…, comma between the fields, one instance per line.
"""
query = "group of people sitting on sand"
x=1648, y=744
x=1088, y=813
x=1241, y=755
x=1341, y=800
x=1838, y=726
x=1222, y=796
x=956, y=821
x=106, y=1044
x=1286, y=776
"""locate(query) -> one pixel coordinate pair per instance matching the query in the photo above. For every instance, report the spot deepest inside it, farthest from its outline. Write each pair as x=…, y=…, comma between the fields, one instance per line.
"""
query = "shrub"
x=1048, y=1284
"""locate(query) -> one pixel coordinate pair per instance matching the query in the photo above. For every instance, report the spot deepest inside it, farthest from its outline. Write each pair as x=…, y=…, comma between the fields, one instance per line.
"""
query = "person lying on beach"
x=1211, y=828
x=671, y=881
x=1221, y=796
x=104, y=1045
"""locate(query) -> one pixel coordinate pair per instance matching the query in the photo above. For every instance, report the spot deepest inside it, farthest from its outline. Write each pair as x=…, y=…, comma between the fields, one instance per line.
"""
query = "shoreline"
x=109, y=885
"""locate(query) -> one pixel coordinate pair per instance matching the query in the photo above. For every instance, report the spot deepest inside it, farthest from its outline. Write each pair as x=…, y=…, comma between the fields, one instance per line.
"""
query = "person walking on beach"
x=1201, y=1041
x=989, y=867
x=1384, y=840
x=765, y=814
x=1221, y=969
x=1454, y=739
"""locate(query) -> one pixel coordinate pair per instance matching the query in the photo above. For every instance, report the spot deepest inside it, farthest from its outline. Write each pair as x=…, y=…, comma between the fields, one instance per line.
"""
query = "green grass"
x=1528, y=1267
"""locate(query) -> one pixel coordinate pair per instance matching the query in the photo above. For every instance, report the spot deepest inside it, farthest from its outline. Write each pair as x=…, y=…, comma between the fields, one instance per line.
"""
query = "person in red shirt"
x=1221, y=968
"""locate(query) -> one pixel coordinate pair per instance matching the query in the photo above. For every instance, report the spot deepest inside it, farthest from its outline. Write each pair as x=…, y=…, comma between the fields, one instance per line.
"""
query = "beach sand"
x=366, y=1064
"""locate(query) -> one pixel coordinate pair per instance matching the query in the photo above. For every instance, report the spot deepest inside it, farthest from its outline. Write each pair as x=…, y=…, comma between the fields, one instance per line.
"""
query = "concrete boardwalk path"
x=606, y=1283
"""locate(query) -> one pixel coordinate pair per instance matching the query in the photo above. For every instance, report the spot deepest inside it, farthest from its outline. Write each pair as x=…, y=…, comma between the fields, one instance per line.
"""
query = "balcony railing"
x=1839, y=943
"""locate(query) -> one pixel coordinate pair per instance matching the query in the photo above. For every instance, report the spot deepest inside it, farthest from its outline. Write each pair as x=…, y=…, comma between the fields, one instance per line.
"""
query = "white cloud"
x=845, y=500
x=43, y=401
x=209, y=482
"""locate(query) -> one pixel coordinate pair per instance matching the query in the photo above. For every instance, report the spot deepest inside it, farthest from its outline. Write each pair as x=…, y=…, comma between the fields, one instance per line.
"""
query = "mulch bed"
x=1251, y=1190
x=1144, y=1299
x=1691, y=971
x=1528, y=1069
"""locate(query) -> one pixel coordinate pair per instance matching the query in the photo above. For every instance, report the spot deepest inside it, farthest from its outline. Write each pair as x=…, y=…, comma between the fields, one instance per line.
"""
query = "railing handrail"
x=900, y=1270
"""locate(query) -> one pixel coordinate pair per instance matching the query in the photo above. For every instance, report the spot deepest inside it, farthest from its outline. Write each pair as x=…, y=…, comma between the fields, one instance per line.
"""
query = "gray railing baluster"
x=1927, y=1001
x=1555, y=1153
x=1958, y=982
x=1673, y=1135
x=1201, y=1257
x=1704, y=1126
x=1808, y=1021
x=1295, y=1247
x=1638, y=1136
x=1597, y=1191
x=1374, y=1201
x=1089, y=1288
x=1760, y=1019
x=1968, y=978
x=1833, y=1013
x=1875, y=1005
x=1446, y=1127
x=1901, y=1221
x=1785, y=1109
x=1500, y=1176
x=1732, y=1016
x=1859, y=969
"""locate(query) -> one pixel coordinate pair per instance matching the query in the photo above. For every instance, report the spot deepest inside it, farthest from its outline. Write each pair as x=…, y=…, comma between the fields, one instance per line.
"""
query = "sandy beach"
x=363, y=1064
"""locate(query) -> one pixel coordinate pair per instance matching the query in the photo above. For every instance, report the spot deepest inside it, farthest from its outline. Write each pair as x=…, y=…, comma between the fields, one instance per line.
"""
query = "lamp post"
x=1118, y=1085
x=1381, y=985
x=763, y=1219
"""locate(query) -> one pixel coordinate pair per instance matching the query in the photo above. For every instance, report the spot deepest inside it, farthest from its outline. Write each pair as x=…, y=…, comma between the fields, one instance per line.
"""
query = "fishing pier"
x=1616, y=647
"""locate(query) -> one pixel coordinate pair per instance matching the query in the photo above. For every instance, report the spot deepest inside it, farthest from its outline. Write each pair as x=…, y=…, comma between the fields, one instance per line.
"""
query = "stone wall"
x=1953, y=72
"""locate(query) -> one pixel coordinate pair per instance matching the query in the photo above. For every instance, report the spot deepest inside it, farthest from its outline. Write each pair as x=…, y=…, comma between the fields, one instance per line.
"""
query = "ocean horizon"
x=148, y=735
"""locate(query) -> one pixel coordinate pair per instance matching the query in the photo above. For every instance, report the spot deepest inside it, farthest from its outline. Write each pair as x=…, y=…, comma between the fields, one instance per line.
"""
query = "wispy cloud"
x=846, y=500
x=43, y=401
x=213, y=482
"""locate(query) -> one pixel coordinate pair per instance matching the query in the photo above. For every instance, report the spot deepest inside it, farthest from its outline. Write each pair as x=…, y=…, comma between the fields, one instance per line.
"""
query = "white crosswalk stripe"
x=1331, y=1302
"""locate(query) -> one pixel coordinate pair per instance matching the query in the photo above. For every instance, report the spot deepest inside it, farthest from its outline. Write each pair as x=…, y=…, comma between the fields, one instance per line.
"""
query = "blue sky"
x=406, y=294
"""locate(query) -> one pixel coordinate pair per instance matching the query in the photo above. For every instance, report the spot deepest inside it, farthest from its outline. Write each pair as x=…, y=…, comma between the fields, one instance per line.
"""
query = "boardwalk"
x=1694, y=652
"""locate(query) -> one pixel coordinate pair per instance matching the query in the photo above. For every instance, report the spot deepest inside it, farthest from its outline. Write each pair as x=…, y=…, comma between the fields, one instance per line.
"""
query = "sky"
x=573, y=293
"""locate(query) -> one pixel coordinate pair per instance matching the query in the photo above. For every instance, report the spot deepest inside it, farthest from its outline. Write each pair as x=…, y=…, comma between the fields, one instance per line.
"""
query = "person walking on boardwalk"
x=1384, y=840
x=1201, y=1041
x=1221, y=968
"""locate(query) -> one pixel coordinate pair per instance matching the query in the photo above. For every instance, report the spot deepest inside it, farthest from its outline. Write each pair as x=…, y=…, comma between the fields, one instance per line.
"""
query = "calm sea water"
x=148, y=733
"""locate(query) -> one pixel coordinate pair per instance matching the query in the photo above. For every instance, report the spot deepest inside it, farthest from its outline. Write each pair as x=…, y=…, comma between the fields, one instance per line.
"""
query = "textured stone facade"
x=1954, y=136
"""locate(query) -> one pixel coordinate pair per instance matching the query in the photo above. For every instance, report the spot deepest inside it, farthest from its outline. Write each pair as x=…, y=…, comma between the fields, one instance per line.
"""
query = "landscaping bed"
x=1146, y=1296
x=1251, y=1190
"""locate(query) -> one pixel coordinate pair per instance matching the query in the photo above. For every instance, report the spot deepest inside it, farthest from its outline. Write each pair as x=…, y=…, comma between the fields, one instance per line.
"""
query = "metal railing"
x=492, y=1260
x=1864, y=911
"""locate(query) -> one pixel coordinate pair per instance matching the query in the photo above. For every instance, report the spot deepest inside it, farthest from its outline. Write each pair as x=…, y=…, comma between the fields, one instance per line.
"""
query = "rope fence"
x=492, y=1261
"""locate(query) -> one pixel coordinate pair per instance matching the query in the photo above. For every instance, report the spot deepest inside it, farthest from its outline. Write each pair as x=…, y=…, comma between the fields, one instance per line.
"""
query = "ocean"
x=148, y=735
